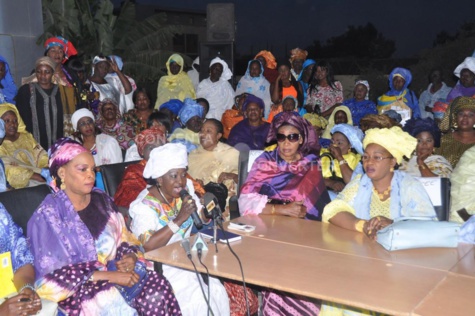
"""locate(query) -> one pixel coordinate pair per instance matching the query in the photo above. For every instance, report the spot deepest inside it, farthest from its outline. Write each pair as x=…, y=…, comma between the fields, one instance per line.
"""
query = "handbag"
x=418, y=232
x=130, y=292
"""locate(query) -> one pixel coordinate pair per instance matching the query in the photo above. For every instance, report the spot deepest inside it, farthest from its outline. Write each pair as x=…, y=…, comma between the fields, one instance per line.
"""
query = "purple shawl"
x=69, y=239
x=460, y=91
x=301, y=180
x=253, y=137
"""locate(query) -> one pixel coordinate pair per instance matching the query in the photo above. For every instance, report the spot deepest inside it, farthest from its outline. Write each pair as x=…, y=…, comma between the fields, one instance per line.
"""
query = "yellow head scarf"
x=316, y=120
x=394, y=140
x=178, y=59
x=331, y=120
x=5, y=107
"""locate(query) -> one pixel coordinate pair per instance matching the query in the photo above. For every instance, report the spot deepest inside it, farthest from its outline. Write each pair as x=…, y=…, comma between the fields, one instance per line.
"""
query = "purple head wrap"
x=310, y=139
x=252, y=99
x=415, y=126
x=61, y=152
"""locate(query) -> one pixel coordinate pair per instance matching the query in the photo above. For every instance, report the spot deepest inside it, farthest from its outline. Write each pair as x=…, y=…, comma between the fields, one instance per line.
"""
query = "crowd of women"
x=350, y=162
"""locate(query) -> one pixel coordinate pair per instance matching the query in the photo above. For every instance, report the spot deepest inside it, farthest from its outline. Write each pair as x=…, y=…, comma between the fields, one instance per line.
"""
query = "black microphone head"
x=199, y=246
x=184, y=194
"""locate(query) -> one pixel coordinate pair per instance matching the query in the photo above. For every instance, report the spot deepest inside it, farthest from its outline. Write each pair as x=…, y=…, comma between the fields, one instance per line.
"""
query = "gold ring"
x=127, y=269
x=190, y=201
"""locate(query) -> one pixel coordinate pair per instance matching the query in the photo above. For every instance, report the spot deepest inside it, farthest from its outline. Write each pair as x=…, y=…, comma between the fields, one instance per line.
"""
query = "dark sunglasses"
x=293, y=138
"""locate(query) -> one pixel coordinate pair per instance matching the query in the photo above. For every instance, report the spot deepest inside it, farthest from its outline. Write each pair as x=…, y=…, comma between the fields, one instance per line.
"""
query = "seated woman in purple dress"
x=252, y=131
x=465, y=87
x=360, y=105
x=85, y=258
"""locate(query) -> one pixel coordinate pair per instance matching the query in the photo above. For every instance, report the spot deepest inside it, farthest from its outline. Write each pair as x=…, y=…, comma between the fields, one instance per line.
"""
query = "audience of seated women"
x=254, y=82
x=110, y=122
x=104, y=148
x=40, y=106
x=160, y=217
x=138, y=116
x=191, y=116
x=423, y=162
x=458, y=126
x=372, y=201
x=98, y=267
x=8, y=88
x=176, y=84
x=360, y=105
x=465, y=87
x=399, y=97
x=252, y=131
x=214, y=161
x=217, y=89
x=326, y=94
x=342, y=156
x=22, y=156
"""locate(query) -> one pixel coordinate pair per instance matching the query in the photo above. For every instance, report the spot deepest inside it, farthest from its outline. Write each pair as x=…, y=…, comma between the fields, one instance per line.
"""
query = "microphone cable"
x=201, y=285
x=240, y=266
x=200, y=252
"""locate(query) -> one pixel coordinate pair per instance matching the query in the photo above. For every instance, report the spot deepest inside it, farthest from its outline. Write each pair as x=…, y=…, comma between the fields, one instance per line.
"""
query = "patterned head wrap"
x=5, y=107
x=2, y=128
x=61, y=152
x=394, y=140
x=316, y=120
x=149, y=136
x=177, y=59
x=107, y=101
x=468, y=63
x=377, y=121
x=45, y=60
x=68, y=48
x=310, y=139
x=450, y=116
x=414, y=126
x=227, y=74
x=366, y=84
x=353, y=133
x=271, y=63
x=165, y=158
x=252, y=99
x=174, y=105
x=298, y=53
x=190, y=108
x=79, y=114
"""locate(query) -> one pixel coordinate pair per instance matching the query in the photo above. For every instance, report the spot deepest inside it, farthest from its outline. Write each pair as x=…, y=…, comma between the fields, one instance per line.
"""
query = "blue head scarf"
x=9, y=90
x=401, y=72
x=173, y=105
x=190, y=109
x=119, y=63
x=354, y=135
x=307, y=62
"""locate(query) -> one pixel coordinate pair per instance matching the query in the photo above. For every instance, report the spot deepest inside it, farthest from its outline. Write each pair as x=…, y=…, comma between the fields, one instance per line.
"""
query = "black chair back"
x=112, y=175
x=22, y=203
x=439, y=193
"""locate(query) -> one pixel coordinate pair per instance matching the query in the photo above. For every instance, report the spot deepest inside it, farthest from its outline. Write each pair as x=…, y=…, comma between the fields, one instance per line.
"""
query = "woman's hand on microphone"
x=188, y=206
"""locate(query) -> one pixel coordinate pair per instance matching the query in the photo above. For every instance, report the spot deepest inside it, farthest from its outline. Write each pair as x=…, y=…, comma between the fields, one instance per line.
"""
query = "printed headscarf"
x=310, y=139
x=165, y=158
x=68, y=48
x=450, y=116
x=61, y=152
x=394, y=140
x=149, y=136
x=271, y=63
x=298, y=53
x=316, y=120
x=190, y=108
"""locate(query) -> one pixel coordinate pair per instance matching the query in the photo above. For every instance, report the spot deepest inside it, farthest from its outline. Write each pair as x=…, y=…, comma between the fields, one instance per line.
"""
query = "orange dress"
x=286, y=91
x=230, y=118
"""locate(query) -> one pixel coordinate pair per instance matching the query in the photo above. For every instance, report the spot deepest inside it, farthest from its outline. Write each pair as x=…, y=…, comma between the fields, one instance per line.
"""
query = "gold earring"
x=456, y=125
x=63, y=185
x=391, y=169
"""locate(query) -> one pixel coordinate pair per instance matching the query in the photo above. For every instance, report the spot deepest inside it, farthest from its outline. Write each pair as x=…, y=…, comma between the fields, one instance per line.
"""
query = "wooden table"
x=318, y=260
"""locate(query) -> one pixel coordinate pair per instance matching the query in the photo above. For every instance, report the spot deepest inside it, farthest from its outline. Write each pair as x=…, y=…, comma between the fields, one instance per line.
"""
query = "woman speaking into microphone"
x=160, y=217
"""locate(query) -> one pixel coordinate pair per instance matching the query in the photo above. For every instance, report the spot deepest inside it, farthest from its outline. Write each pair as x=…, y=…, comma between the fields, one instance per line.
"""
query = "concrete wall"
x=21, y=23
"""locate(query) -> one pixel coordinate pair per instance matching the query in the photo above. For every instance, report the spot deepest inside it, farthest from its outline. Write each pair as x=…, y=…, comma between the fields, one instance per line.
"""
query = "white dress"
x=185, y=283
x=219, y=94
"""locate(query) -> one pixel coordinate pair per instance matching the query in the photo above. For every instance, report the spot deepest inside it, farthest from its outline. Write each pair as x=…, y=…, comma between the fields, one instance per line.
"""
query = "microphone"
x=211, y=205
x=185, y=243
x=199, y=246
x=196, y=218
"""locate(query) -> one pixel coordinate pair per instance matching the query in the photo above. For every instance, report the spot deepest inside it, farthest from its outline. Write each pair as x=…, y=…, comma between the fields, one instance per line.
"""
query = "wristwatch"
x=342, y=162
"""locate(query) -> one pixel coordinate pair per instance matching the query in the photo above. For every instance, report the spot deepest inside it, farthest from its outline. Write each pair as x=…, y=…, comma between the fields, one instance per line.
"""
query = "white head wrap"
x=468, y=63
x=79, y=114
x=2, y=128
x=165, y=158
x=366, y=84
x=227, y=74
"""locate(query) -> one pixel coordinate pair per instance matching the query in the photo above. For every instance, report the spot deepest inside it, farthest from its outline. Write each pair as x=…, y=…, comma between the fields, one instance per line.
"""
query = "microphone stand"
x=216, y=213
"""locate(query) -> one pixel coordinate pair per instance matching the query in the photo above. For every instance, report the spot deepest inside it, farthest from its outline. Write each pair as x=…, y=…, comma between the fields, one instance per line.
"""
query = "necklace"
x=384, y=195
x=173, y=208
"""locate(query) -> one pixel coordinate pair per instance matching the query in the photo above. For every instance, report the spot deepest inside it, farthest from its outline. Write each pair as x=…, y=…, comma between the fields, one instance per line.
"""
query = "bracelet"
x=342, y=162
x=273, y=209
x=91, y=278
x=360, y=225
x=173, y=227
x=27, y=286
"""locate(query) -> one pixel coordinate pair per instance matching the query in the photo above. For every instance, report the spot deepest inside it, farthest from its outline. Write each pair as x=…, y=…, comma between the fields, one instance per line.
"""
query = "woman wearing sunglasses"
x=372, y=201
x=287, y=180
